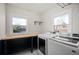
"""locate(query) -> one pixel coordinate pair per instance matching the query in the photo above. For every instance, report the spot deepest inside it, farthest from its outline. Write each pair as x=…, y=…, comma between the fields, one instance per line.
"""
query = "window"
x=19, y=25
x=61, y=23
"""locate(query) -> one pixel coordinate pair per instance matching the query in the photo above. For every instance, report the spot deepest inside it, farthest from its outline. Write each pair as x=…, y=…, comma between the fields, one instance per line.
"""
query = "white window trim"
x=12, y=26
x=65, y=12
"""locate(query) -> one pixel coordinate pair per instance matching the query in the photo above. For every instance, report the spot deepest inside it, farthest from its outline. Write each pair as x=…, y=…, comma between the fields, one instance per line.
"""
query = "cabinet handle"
x=73, y=51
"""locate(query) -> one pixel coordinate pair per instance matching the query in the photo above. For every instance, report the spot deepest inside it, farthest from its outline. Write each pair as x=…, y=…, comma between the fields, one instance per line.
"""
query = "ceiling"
x=35, y=7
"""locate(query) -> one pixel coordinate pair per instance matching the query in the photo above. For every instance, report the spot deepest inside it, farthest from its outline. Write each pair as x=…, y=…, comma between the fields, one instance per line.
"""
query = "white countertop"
x=58, y=39
x=71, y=37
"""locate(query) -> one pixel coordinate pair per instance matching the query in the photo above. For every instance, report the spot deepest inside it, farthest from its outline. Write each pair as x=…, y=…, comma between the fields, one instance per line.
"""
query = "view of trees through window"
x=19, y=25
x=61, y=23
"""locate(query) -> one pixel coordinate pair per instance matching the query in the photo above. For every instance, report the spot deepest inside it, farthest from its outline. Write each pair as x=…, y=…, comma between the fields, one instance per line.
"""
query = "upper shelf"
x=38, y=22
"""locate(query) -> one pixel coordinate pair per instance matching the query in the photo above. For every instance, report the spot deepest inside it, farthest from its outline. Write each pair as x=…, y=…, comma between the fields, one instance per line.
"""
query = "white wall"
x=47, y=18
x=75, y=18
x=2, y=19
x=72, y=10
x=19, y=12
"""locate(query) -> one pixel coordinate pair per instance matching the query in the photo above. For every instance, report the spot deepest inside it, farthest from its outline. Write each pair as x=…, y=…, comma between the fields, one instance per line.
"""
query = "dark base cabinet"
x=13, y=46
x=1, y=48
x=42, y=45
x=35, y=42
x=16, y=45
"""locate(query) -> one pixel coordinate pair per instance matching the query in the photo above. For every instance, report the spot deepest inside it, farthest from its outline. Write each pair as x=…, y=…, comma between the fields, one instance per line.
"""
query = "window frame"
x=62, y=14
x=12, y=25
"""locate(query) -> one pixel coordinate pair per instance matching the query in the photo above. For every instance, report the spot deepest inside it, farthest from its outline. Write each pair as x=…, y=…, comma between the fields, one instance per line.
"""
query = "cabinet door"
x=17, y=45
x=56, y=48
x=1, y=47
x=42, y=45
x=35, y=42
